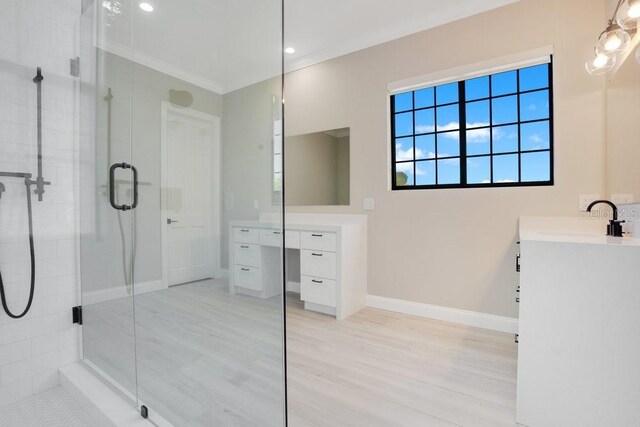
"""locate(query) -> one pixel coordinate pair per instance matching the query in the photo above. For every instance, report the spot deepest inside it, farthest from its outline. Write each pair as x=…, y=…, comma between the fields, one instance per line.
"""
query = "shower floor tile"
x=51, y=408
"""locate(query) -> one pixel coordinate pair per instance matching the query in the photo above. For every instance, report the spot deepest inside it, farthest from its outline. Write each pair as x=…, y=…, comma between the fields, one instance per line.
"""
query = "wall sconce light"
x=615, y=38
x=628, y=14
x=600, y=64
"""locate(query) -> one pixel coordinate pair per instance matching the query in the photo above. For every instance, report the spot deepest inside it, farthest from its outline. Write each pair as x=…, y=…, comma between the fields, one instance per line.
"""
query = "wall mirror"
x=317, y=166
x=623, y=132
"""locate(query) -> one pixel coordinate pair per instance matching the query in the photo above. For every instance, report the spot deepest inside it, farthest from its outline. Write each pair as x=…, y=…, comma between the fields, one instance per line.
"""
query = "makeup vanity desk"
x=332, y=260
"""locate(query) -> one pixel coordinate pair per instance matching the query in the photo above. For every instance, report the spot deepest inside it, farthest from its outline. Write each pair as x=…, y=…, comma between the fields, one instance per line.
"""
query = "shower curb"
x=102, y=402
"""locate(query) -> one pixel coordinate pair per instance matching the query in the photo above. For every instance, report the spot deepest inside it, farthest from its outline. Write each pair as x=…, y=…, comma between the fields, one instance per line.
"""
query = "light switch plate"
x=368, y=204
x=586, y=199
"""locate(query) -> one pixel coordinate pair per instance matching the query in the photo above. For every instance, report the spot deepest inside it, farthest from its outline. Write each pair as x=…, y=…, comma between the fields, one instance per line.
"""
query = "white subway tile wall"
x=37, y=33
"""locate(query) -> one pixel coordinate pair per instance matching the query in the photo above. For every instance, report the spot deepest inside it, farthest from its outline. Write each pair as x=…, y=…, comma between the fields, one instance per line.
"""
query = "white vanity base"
x=579, y=337
x=333, y=260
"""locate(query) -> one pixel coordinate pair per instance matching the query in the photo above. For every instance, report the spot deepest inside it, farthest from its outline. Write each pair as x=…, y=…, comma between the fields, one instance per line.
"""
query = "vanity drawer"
x=318, y=263
x=246, y=235
x=318, y=290
x=271, y=238
x=318, y=240
x=246, y=254
x=247, y=277
x=292, y=239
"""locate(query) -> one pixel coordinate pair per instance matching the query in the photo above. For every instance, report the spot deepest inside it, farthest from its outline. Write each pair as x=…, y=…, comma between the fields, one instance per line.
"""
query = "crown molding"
x=164, y=67
x=380, y=37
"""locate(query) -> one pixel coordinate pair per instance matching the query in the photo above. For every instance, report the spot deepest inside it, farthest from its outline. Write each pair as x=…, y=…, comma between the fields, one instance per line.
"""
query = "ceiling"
x=224, y=45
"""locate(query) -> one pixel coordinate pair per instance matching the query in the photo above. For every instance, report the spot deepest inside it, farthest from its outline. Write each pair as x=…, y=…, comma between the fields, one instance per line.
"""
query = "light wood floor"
x=379, y=368
x=209, y=358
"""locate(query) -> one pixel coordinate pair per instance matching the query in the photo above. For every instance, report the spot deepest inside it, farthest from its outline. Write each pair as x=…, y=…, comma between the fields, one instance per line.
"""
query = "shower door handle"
x=135, y=187
x=112, y=186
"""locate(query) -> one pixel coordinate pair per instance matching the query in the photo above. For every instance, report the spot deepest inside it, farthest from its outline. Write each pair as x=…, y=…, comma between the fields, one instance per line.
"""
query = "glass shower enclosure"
x=178, y=106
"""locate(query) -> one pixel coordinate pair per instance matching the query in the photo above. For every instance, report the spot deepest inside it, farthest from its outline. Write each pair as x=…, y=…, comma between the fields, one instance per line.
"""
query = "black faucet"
x=615, y=227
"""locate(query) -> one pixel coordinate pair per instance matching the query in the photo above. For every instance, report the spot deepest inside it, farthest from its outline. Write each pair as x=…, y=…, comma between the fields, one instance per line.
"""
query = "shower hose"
x=33, y=263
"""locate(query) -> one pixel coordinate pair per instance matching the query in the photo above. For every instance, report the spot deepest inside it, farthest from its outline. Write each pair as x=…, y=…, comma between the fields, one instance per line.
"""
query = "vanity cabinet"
x=333, y=263
x=579, y=326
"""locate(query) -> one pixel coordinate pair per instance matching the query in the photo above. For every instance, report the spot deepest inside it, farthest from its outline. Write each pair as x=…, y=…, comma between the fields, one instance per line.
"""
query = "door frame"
x=166, y=108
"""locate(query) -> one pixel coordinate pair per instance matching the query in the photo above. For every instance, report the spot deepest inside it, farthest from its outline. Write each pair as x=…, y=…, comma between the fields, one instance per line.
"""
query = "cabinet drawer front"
x=318, y=263
x=292, y=239
x=271, y=238
x=247, y=277
x=318, y=290
x=320, y=241
x=246, y=254
x=246, y=235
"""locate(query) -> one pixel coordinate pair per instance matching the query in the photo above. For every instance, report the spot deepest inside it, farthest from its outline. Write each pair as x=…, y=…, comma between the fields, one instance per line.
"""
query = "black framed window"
x=490, y=131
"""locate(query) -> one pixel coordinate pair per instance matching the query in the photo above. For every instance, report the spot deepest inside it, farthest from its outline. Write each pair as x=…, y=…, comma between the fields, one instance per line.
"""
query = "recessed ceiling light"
x=290, y=50
x=146, y=7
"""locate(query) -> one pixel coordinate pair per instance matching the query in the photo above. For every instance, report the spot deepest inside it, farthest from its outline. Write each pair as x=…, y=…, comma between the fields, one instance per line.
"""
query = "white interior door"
x=188, y=176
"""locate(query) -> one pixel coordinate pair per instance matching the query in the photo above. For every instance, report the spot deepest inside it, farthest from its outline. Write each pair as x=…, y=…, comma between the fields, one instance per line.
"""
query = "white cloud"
x=476, y=136
x=425, y=129
x=502, y=181
x=404, y=154
x=477, y=125
x=449, y=127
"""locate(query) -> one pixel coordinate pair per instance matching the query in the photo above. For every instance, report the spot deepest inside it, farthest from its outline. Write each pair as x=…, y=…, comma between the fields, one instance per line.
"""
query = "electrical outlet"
x=586, y=199
x=622, y=199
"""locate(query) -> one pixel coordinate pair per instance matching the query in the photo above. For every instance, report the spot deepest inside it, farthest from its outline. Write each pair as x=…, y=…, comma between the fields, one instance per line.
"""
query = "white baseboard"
x=293, y=287
x=116, y=292
x=455, y=315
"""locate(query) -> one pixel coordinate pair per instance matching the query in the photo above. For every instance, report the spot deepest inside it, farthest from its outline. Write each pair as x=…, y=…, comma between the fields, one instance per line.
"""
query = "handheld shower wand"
x=39, y=182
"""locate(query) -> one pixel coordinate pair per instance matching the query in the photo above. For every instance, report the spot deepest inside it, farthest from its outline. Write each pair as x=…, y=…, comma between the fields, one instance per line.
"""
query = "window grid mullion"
x=435, y=135
x=462, y=131
x=394, y=183
x=413, y=131
x=490, y=130
x=518, y=110
x=505, y=95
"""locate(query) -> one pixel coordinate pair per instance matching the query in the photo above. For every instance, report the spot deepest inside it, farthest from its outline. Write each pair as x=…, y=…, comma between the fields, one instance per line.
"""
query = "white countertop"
x=570, y=230
x=278, y=226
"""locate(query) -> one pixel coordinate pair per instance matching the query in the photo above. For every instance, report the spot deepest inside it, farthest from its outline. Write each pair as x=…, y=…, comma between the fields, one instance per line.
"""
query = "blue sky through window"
x=505, y=137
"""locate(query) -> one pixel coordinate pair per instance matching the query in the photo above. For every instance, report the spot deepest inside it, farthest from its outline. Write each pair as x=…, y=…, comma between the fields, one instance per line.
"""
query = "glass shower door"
x=187, y=93
x=202, y=141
